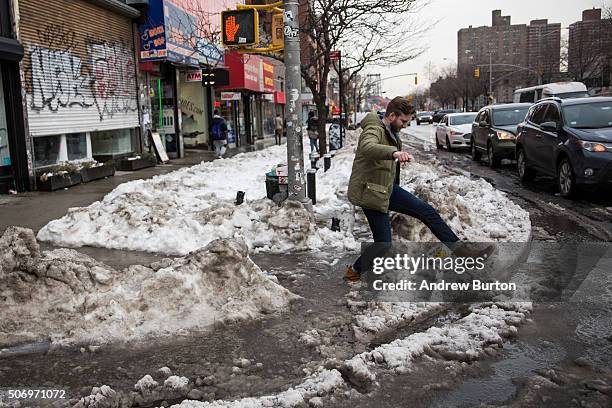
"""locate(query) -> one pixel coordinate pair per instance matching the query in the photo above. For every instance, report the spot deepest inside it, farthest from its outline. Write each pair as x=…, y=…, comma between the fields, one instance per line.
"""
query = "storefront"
x=81, y=85
x=14, y=169
x=255, y=102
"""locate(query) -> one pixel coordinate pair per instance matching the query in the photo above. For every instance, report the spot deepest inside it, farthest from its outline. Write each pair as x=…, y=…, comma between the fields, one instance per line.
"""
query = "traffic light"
x=215, y=77
x=278, y=23
x=240, y=27
x=476, y=72
x=416, y=80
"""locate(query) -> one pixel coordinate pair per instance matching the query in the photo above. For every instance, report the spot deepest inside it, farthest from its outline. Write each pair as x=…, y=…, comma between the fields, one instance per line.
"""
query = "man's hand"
x=402, y=156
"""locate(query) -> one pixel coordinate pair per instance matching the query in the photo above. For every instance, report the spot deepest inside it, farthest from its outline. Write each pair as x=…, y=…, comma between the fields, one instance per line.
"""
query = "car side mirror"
x=550, y=126
x=482, y=124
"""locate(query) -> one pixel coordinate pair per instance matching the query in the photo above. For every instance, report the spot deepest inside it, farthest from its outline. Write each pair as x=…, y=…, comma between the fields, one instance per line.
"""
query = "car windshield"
x=567, y=95
x=592, y=115
x=462, y=119
x=423, y=114
x=507, y=117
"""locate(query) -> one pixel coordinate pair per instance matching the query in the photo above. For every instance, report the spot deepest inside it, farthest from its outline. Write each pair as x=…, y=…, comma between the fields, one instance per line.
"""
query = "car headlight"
x=594, y=146
x=501, y=135
x=455, y=133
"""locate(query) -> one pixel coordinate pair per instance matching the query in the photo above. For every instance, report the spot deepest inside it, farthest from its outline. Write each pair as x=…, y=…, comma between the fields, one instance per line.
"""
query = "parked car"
x=569, y=139
x=439, y=114
x=494, y=132
x=561, y=90
x=454, y=130
x=424, y=117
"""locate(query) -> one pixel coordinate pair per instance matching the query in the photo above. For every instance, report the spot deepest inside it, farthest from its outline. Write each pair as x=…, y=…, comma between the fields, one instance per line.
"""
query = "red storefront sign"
x=268, y=76
x=249, y=71
x=244, y=71
x=279, y=97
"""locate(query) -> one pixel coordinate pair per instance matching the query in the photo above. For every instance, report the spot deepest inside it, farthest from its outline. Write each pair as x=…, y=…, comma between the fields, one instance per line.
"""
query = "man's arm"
x=372, y=149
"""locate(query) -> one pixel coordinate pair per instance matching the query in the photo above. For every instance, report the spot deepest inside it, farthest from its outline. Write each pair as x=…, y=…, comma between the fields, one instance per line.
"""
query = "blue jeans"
x=402, y=201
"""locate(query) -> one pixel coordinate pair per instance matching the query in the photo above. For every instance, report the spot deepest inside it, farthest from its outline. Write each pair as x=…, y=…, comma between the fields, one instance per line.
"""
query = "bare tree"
x=367, y=32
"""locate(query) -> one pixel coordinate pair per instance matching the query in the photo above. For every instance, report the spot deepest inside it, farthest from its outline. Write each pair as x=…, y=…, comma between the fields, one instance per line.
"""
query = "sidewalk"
x=35, y=209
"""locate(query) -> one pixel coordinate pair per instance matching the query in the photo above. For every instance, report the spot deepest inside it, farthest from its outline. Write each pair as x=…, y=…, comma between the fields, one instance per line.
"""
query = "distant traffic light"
x=240, y=27
x=416, y=80
x=476, y=72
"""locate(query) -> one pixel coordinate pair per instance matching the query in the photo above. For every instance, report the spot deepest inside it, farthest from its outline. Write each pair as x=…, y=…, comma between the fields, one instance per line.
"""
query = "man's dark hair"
x=216, y=112
x=400, y=106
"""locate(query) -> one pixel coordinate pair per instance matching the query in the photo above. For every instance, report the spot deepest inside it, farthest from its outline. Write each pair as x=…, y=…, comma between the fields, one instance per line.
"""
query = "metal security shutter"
x=79, y=67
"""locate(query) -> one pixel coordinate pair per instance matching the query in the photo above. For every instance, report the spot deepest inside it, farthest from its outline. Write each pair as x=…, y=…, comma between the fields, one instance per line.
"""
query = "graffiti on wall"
x=61, y=79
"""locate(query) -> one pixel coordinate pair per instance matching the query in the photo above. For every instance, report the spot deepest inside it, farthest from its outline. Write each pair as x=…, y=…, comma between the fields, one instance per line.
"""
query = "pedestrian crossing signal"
x=240, y=27
x=476, y=72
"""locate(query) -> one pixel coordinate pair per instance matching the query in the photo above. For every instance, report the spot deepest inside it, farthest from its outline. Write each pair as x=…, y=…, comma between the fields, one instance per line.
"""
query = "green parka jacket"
x=374, y=170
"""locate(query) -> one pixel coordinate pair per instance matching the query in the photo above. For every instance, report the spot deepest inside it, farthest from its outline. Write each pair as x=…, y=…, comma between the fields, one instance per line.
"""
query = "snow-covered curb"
x=66, y=297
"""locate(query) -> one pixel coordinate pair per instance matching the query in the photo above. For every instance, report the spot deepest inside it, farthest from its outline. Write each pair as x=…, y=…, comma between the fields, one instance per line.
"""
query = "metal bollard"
x=335, y=226
x=326, y=161
x=314, y=157
x=311, y=184
x=239, y=197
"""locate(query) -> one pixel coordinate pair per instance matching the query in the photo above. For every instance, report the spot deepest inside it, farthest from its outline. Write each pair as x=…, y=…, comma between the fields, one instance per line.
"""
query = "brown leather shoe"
x=351, y=275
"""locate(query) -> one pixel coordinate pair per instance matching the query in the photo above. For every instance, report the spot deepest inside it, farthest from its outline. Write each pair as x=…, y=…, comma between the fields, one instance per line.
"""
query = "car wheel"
x=449, y=147
x=524, y=172
x=492, y=160
x=476, y=155
x=565, y=179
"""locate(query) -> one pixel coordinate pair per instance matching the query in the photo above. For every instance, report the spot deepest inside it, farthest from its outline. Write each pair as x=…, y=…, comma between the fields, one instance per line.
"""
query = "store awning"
x=10, y=49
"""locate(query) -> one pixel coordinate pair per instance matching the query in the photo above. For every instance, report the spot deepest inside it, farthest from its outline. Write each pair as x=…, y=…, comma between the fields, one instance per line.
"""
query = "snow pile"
x=182, y=211
x=376, y=318
x=473, y=209
x=66, y=296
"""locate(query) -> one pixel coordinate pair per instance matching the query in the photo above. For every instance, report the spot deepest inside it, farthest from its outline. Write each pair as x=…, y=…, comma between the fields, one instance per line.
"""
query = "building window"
x=111, y=142
x=46, y=150
x=77, y=146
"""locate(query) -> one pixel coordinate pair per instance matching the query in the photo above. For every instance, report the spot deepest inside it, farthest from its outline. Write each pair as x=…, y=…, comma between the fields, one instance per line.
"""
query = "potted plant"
x=141, y=161
x=93, y=170
x=64, y=176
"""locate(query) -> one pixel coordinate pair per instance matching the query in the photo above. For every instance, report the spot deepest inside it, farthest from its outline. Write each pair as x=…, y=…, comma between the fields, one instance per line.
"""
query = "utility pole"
x=293, y=114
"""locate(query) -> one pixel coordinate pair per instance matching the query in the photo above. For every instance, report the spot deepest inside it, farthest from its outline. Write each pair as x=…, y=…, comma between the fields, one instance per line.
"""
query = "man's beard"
x=394, y=128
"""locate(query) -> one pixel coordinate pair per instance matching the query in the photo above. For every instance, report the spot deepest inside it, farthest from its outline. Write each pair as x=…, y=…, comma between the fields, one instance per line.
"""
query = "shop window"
x=111, y=142
x=76, y=144
x=46, y=150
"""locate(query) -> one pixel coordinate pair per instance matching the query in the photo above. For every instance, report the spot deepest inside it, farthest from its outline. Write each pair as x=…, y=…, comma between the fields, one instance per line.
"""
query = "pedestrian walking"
x=218, y=130
x=278, y=128
x=312, y=129
x=374, y=182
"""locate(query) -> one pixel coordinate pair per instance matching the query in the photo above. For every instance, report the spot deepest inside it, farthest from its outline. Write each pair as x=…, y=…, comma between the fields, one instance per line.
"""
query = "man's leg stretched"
x=403, y=202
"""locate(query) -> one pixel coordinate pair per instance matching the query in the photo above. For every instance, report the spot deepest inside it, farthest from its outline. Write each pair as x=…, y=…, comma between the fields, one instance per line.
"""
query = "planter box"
x=95, y=173
x=131, y=165
x=60, y=181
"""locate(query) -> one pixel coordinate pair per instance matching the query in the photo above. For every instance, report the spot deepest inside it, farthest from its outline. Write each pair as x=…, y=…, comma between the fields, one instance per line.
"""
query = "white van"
x=561, y=90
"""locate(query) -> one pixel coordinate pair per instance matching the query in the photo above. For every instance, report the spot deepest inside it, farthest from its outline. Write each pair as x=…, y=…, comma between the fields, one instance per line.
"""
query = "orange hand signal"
x=231, y=28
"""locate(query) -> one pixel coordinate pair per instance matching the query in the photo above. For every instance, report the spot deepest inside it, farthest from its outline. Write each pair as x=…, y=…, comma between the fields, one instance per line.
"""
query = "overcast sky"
x=441, y=40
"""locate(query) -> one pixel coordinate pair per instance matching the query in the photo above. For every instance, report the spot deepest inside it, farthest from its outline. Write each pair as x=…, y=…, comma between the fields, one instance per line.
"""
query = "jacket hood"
x=371, y=119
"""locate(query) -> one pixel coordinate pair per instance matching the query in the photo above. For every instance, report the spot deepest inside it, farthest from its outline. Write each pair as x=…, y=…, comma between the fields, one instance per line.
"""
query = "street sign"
x=334, y=55
x=240, y=27
x=194, y=76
